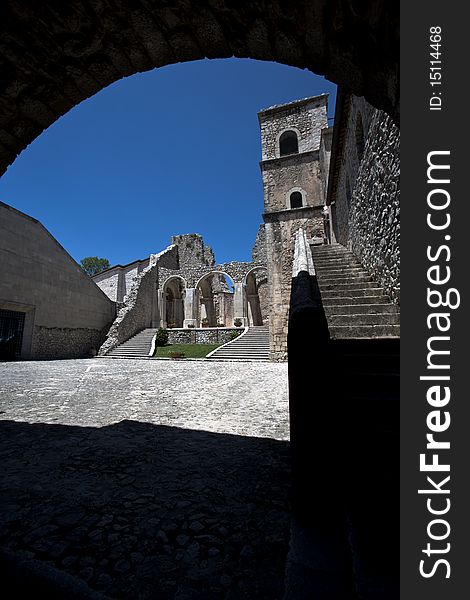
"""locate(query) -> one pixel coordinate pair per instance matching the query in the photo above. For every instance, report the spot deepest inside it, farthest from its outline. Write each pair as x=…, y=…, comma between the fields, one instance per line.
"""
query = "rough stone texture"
x=259, y=252
x=374, y=234
x=54, y=55
x=369, y=223
x=57, y=342
x=192, y=251
x=306, y=117
x=148, y=479
x=280, y=238
x=139, y=304
x=300, y=172
x=206, y=335
x=61, y=303
x=192, y=263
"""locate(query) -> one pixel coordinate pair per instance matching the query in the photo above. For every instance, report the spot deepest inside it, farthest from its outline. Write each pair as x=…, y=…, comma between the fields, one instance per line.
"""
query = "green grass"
x=190, y=350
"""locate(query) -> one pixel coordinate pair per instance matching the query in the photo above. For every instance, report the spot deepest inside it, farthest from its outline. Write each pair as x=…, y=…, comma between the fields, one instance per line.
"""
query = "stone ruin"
x=183, y=287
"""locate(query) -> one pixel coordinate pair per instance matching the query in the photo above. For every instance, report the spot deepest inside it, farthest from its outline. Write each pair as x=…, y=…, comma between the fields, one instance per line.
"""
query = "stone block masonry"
x=206, y=335
x=364, y=192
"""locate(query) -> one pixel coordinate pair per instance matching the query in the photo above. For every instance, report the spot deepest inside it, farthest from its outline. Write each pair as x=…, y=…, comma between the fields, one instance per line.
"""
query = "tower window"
x=288, y=143
x=296, y=200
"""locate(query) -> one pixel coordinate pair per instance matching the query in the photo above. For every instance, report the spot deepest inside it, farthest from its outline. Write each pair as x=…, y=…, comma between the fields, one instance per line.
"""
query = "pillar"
x=240, y=308
x=190, y=307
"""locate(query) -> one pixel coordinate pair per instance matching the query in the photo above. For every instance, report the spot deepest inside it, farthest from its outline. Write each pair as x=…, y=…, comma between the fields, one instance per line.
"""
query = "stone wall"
x=259, y=252
x=366, y=192
x=280, y=237
x=65, y=311
x=108, y=282
x=192, y=251
x=60, y=342
x=117, y=281
x=204, y=335
x=306, y=117
x=298, y=172
x=139, y=305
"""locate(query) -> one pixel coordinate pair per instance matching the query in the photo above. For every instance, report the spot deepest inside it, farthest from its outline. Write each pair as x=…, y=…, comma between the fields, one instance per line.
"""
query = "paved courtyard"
x=148, y=479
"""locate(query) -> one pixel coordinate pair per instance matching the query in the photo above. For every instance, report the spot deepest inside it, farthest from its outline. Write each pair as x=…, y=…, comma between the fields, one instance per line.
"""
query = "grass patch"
x=190, y=350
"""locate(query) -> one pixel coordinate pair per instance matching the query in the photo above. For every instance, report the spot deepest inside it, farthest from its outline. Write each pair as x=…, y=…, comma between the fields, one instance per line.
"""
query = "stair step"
x=355, y=309
x=341, y=300
x=365, y=319
x=352, y=293
x=345, y=279
x=364, y=331
x=325, y=272
x=360, y=285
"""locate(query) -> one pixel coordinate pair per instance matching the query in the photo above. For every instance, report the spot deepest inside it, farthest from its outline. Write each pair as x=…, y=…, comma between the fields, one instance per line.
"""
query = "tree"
x=92, y=265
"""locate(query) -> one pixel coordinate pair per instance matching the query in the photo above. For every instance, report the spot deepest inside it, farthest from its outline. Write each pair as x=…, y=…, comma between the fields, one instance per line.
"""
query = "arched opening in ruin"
x=173, y=296
x=215, y=291
x=256, y=282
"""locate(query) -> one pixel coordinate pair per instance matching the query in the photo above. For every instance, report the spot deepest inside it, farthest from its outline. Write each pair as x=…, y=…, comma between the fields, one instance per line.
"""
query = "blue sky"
x=174, y=150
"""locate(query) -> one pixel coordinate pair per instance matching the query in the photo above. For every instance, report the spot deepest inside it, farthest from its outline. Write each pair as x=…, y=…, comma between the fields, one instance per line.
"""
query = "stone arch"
x=173, y=291
x=54, y=55
x=257, y=300
x=214, y=309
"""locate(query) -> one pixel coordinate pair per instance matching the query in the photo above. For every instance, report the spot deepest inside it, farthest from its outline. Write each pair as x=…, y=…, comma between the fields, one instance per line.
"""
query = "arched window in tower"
x=359, y=137
x=296, y=200
x=288, y=143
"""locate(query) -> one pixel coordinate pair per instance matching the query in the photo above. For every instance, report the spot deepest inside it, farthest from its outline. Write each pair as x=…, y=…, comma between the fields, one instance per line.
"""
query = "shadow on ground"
x=143, y=511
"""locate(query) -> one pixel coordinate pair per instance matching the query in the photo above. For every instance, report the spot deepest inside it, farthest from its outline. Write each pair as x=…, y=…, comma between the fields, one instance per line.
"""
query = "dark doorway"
x=11, y=334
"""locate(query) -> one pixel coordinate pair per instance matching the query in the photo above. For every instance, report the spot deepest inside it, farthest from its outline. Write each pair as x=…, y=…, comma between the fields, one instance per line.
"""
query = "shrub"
x=234, y=335
x=176, y=354
x=237, y=322
x=161, y=337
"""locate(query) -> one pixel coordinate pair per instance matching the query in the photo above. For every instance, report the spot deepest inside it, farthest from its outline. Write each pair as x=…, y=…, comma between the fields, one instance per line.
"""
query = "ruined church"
x=324, y=187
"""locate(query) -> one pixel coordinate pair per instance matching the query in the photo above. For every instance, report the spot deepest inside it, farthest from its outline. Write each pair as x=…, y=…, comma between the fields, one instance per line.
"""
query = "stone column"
x=159, y=310
x=191, y=300
x=240, y=308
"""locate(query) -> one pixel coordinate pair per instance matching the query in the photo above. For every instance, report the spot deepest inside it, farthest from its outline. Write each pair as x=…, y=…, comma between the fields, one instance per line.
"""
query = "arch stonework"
x=54, y=54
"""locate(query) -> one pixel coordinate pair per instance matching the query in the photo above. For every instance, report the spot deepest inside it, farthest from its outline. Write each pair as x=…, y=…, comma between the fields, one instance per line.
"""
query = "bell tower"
x=294, y=196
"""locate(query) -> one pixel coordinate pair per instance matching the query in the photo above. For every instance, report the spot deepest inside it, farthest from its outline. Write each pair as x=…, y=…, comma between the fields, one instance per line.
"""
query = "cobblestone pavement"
x=147, y=479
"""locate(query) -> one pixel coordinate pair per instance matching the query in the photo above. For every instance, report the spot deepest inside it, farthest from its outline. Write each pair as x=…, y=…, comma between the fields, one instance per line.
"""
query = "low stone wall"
x=205, y=335
x=64, y=342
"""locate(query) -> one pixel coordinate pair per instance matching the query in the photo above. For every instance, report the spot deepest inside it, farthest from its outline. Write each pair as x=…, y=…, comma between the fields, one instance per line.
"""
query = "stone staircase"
x=355, y=306
x=135, y=347
x=252, y=345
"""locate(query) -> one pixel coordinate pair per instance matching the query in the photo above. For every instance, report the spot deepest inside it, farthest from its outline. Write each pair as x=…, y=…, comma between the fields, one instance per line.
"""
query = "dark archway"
x=54, y=55
x=173, y=291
